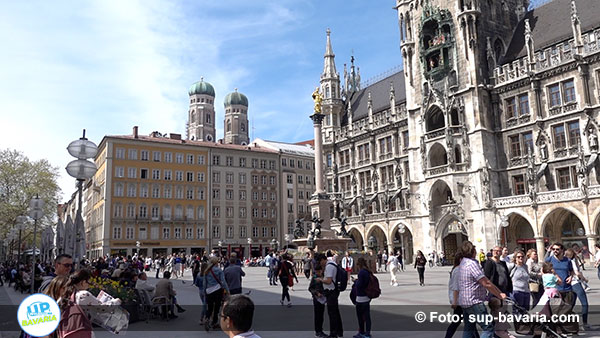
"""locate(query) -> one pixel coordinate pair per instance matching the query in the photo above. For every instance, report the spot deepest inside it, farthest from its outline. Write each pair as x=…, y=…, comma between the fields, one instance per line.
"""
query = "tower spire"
x=329, y=70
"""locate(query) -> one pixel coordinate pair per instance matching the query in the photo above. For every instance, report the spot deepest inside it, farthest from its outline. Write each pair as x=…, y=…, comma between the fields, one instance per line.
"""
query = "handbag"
x=534, y=287
x=218, y=281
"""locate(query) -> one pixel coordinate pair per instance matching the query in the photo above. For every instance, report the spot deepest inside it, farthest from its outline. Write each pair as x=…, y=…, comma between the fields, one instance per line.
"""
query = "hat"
x=105, y=272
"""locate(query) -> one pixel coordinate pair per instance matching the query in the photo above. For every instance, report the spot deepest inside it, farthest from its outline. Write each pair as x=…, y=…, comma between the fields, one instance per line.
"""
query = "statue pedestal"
x=324, y=244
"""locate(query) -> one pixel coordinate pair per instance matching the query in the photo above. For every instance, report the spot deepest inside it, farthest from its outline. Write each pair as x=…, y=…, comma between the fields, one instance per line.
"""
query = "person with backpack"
x=367, y=287
x=334, y=280
x=286, y=278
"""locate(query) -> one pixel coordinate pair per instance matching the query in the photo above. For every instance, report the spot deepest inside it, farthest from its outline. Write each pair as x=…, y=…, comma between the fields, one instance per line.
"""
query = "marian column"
x=320, y=203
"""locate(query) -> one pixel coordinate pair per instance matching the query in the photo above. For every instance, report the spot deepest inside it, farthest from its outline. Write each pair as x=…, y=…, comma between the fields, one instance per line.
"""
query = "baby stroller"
x=543, y=327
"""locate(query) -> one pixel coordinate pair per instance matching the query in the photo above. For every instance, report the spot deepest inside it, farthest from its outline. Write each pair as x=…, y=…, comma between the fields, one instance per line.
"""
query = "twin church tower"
x=201, y=115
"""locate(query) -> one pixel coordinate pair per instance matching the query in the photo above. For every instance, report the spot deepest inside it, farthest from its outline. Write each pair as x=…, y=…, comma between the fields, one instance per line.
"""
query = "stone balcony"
x=546, y=197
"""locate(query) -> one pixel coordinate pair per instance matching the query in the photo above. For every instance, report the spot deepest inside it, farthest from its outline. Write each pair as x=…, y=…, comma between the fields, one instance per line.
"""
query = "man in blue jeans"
x=564, y=269
x=472, y=284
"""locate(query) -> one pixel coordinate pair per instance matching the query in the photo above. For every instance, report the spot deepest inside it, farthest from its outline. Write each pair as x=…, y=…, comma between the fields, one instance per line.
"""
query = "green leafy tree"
x=22, y=179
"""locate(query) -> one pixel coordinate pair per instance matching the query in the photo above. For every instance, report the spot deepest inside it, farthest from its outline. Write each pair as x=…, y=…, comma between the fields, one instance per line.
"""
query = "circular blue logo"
x=38, y=315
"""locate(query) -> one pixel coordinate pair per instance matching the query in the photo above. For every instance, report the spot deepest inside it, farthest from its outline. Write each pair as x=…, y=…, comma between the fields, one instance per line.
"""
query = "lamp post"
x=21, y=220
x=401, y=231
x=372, y=243
x=249, y=240
x=287, y=238
x=504, y=223
x=274, y=244
x=36, y=206
x=81, y=169
x=220, y=243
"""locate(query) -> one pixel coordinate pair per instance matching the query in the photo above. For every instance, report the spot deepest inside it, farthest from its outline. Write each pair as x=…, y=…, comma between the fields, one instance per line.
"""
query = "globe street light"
x=36, y=206
x=220, y=243
x=81, y=169
x=372, y=242
x=274, y=244
x=249, y=240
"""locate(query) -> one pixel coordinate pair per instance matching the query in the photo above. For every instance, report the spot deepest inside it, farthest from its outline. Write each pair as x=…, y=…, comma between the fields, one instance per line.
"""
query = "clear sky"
x=109, y=65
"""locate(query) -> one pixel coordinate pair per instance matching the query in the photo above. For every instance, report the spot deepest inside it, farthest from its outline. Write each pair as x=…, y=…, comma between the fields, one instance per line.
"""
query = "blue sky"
x=109, y=65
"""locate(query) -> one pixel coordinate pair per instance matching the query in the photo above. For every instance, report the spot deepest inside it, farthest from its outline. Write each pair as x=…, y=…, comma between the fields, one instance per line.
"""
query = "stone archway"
x=434, y=119
x=451, y=232
x=437, y=156
x=562, y=225
x=380, y=238
x=357, y=239
x=518, y=234
x=403, y=242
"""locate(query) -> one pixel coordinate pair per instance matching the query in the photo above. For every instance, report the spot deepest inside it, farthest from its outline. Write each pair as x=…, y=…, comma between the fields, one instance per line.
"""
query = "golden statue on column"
x=318, y=98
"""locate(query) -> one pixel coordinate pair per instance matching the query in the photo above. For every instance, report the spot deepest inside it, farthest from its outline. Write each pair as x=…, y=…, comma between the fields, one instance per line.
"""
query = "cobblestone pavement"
x=407, y=298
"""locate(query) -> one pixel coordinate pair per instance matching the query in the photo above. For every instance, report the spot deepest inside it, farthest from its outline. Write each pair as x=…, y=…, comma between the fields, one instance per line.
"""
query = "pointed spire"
x=574, y=16
x=329, y=70
x=576, y=26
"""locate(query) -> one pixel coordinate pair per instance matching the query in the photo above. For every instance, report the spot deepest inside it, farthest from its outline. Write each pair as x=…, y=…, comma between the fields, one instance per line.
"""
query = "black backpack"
x=341, y=278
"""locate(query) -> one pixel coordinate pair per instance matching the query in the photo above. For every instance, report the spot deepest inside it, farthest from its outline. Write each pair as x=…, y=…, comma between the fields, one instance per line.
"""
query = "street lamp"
x=401, y=231
x=287, y=238
x=249, y=240
x=36, y=206
x=220, y=244
x=274, y=244
x=504, y=224
x=372, y=242
x=81, y=169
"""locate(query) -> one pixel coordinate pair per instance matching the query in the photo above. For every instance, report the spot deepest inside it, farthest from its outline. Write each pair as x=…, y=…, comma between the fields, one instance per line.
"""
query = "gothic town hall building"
x=489, y=133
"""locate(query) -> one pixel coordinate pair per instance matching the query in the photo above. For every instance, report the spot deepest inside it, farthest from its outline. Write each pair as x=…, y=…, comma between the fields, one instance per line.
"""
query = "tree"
x=20, y=181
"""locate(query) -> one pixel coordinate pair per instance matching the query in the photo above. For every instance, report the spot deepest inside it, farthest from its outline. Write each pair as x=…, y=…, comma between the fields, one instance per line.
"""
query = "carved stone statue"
x=450, y=148
x=485, y=185
x=399, y=175
x=318, y=99
x=363, y=202
x=299, y=229
x=423, y=154
x=593, y=139
x=543, y=150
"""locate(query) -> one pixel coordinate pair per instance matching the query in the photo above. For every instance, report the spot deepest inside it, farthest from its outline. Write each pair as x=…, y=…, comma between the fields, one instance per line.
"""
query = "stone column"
x=317, y=122
x=591, y=245
x=541, y=249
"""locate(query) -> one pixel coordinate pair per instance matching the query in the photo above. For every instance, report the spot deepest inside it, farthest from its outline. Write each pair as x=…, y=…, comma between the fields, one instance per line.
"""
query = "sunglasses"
x=556, y=249
x=519, y=256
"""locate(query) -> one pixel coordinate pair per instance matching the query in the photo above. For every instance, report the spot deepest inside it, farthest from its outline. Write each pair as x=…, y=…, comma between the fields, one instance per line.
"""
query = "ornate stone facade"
x=486, y=123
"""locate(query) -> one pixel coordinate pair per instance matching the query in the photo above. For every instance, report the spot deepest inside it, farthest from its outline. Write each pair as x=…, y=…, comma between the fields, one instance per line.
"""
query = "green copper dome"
x=202, y=88
x=236, y=98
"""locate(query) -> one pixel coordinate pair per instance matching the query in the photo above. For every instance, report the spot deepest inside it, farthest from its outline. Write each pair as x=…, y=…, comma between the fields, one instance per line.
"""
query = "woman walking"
x=576, y=284
x=535, y=276
x=363, y=302
x=287, y=274
x=420, y=262
x=214, y=286
x=520, y=280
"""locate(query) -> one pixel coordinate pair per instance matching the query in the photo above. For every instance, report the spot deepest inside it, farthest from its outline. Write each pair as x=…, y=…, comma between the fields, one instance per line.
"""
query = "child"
x=550, y=280
x=500, y=327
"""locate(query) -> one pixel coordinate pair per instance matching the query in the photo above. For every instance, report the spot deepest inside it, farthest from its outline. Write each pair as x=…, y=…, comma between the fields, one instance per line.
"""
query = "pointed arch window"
x=228, y=126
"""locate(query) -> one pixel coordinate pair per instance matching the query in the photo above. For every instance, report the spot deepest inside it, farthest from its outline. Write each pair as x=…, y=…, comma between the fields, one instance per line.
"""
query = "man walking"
x=332, y=294
x=62, y=267
x=348, y=264
x=233, y=276
x=564, y=269
x=472, y=284
x=496, y=271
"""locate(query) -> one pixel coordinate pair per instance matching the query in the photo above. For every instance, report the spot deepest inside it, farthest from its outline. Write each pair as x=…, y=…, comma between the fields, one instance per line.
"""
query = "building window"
x=272, y=180
x=167, y=193
x=229, y=194
x=242, y=178
x=154, y=233
x=519, y=185
x=255, y=212
x=569, y=91
x=272, y=165
x=216, y=159
x=156, y=156
x=574, y=135
x=265, y=231
x=142, y=233
x=216, y=212
x=189, y=194
x=242, y=195
x=155, y=191
x=554, y=93
x=179, y=158
x=216, y=194
x=263, y=213
x=563, y=176
x=290, y=179
x=515, y=146
x=284, y=162
x=229, y=212
x=120, y=153
x=290, y=193
x=189, y=233
x=273, y=196
x=200, y=177
x=168, y=175
x=166, y=233
x=201, y=193
x=178, y=175
x=558, y=134
x=300, y=180
x=131, y=172
x=168, y=157
x=511, y=107
x=263, y=180
x=243, y=231
x=201, y=161
x=200, y=232
x=156, y=174
x=254, y=163
x=290, y=208
x=523, y=104
x=229, y=178
x=190, y=159
x=144, y=155
x=255, y=195
x=154, y=212
x=179, y=192
x=128, y=233
x=201, y=212
x=144, y=191
x=167, y=213
x=177, y=233
x=117, y=233
x=131, y=190
x=263, y=196
x=117, y=210
x=229, y=232
x=273, y=232
x=216, y=231
x=132, y=154
x=242, y=212
x=216, y=177
x=255, y=179
x=254, y=231
x=119, y=171
x=229, y=161
x=242, y=162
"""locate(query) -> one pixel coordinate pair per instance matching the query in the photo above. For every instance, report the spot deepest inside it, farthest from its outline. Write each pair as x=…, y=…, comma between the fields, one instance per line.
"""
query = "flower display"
x=113, y=288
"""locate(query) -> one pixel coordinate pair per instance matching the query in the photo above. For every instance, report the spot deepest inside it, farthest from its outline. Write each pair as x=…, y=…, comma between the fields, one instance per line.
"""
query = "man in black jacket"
x=496, y=271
